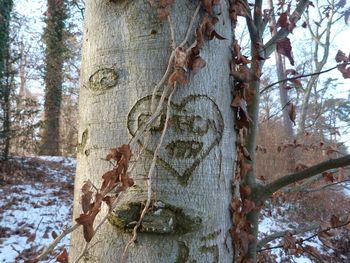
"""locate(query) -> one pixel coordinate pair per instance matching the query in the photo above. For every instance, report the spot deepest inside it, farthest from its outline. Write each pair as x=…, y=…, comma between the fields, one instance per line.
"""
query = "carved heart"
x=195, y=127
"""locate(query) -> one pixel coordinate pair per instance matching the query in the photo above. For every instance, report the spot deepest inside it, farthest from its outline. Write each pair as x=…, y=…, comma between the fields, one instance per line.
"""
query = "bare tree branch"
x=280, y=234
x=296, y=77
x=272, y=187
x=270, y=46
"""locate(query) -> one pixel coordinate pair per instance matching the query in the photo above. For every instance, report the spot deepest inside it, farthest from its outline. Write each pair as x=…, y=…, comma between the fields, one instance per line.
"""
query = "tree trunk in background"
x=5, y=78
x=320, y=57
x=284, y=99
x=125, y=53
x=54, y=40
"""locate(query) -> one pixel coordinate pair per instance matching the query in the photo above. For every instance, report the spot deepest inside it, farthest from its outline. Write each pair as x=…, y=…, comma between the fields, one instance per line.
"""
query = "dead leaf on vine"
x=304, y=24
x=181, y=58
x=208, y=5
x=341, y=57
x=63, y=257
x=243, y=74
x=110, y=180
x=209, y=28
x=248, y=206
x=283, y=20
x=292, y=112
x=87, y=220
x=86, y=201
x=328, y=176
x=114, y=154
x=197, y=64
x=241, y=113
x=345, y=70
x=178, y=76
x=163, y=13
x=297, y=83
x=245, y=169
x=284, y=47
x=245, y=191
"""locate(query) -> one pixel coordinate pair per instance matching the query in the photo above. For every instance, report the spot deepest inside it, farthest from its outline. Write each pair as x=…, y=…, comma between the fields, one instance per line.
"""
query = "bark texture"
x=125, y=53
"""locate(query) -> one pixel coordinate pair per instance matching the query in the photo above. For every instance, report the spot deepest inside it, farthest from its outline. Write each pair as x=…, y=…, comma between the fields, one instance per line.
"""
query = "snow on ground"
x=34, y=210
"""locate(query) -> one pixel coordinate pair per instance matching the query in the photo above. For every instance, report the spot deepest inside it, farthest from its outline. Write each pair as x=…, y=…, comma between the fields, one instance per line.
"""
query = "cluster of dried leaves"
x=187, y=60
x=114, y=181
x=241, y=204
x=343, y=65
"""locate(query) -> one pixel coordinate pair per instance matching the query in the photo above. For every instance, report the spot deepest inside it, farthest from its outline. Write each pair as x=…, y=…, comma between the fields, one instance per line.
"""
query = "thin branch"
x=297, y=77
x=308, y=238
x=323, y=187
x=281, y=234
x=189, y=29
x=276, y=113
x=172, y=33
x=54, y=243
x=272, y=187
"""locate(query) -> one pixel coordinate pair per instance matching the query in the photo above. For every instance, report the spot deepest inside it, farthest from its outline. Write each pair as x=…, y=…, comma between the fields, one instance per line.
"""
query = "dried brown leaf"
x=163, y=13
x=63, y=257
x=284, y=47
x=178, y=76
x=283, y=20
x=341, y=57
x=197, y=64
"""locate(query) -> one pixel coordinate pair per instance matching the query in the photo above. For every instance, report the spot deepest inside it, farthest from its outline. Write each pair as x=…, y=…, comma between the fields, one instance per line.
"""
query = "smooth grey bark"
x=125, y=53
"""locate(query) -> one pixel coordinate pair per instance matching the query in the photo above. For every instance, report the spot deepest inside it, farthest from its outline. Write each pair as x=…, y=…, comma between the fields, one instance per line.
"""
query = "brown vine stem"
x=189, y=29
x=150, y=173
x=172, y=55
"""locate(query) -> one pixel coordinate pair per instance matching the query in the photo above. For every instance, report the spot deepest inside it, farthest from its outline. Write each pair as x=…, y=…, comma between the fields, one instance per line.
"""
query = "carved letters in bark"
x=195, y=127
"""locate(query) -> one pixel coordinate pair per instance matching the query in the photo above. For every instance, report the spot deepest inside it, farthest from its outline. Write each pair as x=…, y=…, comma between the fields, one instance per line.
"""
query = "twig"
x=189, y=29
x=172, y=33
x=310, y=237
x=150, y=173
x=54, y=243
x=297, y=77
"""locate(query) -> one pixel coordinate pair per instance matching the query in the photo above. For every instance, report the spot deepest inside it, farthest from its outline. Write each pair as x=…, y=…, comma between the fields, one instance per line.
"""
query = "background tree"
x=54, y=59
x=5, y=75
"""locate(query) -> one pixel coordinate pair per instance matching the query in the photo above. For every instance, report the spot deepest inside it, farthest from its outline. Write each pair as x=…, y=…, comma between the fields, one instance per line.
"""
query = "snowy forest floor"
x=35, y=205
x=37, y=198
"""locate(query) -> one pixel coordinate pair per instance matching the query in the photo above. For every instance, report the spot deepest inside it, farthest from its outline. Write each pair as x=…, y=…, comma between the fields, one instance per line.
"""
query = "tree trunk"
x=54, y=39
x=5, y=88
x=125, y=53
